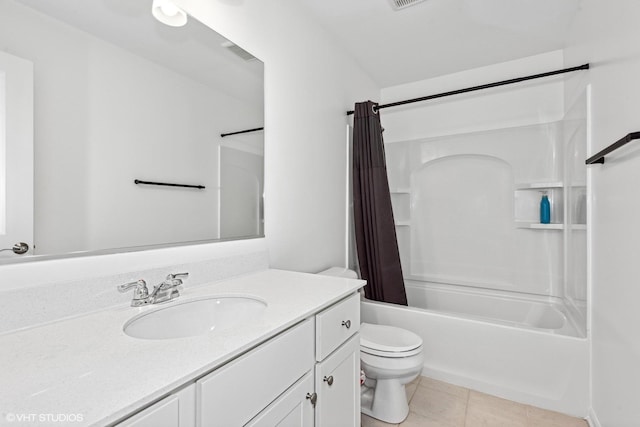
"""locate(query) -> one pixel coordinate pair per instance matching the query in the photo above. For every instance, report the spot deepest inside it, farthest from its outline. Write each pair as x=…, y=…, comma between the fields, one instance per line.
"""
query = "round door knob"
x=346, y=323
x=328, y=380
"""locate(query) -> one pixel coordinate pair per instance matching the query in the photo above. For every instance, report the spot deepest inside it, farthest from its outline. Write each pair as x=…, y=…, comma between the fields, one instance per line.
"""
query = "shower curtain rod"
x=485, y=86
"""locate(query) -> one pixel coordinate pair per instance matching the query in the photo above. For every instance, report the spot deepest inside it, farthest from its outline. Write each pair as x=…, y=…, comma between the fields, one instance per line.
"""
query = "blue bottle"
x=545, y=209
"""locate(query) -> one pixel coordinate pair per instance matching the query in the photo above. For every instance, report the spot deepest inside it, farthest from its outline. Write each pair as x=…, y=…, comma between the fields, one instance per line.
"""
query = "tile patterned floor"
x=437, y=404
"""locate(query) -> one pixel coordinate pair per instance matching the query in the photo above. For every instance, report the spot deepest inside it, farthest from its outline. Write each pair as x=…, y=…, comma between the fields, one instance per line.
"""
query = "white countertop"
x=88, y=366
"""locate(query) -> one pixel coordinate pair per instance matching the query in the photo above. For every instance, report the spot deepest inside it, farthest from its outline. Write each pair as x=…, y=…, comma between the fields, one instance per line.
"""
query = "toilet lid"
x=388, y=339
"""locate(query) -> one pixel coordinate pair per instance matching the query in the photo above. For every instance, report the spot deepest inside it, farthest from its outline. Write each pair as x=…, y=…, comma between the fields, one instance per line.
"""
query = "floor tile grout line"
x=466, y=407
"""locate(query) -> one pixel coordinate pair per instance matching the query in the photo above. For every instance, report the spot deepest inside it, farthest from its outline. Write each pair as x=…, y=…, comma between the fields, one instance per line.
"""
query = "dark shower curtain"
x=375, y=231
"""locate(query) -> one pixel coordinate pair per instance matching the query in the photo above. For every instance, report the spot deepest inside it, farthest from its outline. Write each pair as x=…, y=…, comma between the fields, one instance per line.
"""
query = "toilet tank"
x=339, y=272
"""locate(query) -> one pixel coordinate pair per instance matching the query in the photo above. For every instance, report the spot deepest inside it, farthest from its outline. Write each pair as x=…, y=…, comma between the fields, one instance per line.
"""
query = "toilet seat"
x=390, y=355
x=388, y=341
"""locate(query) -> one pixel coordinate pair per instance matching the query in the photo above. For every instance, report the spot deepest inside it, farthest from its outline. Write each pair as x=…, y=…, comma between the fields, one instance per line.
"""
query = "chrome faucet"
x=165, y=291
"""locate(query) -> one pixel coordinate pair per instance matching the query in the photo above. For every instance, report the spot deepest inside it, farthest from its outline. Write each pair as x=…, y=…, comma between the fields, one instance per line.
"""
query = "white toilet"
x=390, y=358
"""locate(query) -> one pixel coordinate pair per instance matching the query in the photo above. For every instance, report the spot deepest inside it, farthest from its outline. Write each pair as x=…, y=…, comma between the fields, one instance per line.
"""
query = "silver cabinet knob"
x=346, y=323
x=313, y=397
x=328, y=380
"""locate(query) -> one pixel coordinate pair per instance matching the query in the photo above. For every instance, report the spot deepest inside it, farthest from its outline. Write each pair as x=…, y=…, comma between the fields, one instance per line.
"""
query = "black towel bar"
x=137, y=181
x=599, y=157
x=222, y=135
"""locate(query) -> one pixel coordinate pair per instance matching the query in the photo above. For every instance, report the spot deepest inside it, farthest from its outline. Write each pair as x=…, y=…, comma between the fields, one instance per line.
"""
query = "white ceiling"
x=440, y=37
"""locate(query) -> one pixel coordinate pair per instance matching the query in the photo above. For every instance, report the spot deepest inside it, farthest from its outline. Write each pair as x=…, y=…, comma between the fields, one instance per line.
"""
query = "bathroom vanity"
x=295, y=363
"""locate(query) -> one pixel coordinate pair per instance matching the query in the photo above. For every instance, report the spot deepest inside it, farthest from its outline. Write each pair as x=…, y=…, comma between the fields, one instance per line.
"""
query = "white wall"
x=606, y=35
x=310, y=83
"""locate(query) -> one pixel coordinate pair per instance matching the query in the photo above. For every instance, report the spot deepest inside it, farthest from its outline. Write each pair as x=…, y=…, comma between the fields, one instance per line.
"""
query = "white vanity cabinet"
x=307, y=375
x=329, y=395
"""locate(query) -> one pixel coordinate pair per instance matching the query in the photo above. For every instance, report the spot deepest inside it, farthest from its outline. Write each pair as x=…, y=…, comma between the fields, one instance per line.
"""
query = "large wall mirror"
x=119, y=98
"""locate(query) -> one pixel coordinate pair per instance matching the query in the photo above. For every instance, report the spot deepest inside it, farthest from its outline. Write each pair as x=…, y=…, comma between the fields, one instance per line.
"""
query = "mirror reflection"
x=119, y=98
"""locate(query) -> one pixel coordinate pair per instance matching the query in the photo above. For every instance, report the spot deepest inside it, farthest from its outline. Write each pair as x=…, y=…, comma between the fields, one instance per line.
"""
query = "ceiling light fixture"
x=168, y=13
x=401, y=4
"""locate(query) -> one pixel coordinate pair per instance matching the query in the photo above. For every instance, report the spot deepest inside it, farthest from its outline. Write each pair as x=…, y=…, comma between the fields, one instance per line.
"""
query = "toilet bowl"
x=390, y=357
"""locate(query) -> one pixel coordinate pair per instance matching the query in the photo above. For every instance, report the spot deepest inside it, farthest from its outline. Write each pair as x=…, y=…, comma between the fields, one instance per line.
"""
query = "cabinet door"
x=177, y=410
x=338, y=387
x=292, y=409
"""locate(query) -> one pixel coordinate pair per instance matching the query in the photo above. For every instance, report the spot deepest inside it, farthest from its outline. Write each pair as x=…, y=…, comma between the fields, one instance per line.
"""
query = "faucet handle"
x=177, y=276
x=176, y=279
x=140, y=289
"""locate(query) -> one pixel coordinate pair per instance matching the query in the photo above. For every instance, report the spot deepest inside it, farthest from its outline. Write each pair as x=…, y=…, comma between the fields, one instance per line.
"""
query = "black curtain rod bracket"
x=165, y=184
x=222, y=135
x=599, y=157
x=485, y=86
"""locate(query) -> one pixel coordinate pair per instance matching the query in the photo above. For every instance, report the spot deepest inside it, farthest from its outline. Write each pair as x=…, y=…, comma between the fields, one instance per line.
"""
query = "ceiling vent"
x=401, y=4
x=238, y=51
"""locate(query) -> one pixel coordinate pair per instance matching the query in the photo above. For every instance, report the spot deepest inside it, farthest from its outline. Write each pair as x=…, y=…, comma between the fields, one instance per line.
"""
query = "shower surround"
x=467, y=210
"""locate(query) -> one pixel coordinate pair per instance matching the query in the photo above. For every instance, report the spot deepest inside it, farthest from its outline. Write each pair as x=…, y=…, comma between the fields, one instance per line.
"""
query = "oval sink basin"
x=195, y=317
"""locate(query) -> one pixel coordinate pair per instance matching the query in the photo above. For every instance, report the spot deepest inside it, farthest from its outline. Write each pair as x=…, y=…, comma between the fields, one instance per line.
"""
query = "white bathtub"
x=521, y=348
x=507, y=308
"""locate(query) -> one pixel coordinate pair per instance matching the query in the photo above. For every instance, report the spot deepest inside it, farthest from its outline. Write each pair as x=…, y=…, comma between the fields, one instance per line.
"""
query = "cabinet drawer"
x=233, y=394
x=336, y=324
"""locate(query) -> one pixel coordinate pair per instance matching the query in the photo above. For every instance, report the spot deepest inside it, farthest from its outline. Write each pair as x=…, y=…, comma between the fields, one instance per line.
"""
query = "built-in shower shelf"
x=403, y=224
x=400, y=191
x=538, y=226
x=538, y=185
